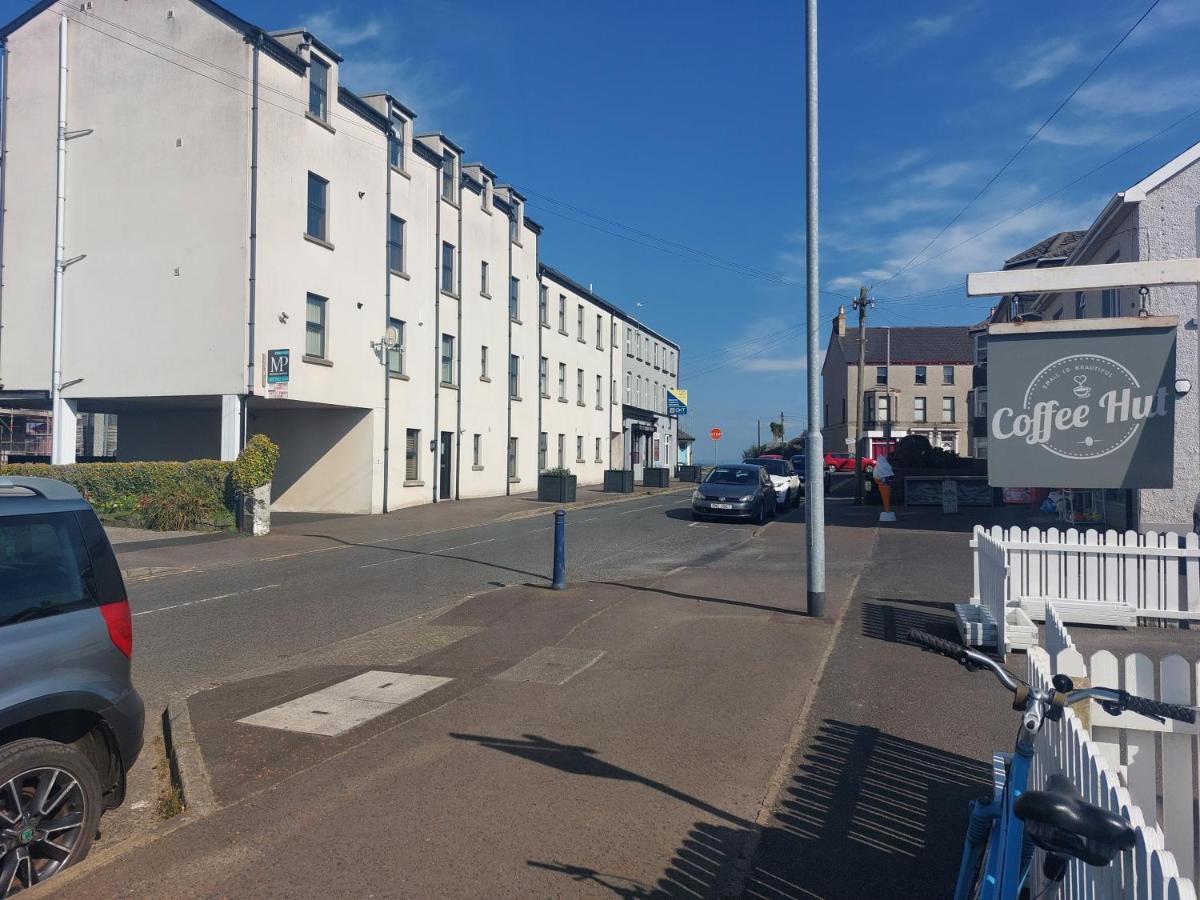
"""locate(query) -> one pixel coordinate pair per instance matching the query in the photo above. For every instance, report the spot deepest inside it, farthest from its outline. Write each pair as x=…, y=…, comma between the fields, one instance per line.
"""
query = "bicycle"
x=1004, y=829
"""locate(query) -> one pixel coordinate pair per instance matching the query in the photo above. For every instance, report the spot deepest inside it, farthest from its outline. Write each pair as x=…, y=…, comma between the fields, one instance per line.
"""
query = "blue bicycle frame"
x=994, y=822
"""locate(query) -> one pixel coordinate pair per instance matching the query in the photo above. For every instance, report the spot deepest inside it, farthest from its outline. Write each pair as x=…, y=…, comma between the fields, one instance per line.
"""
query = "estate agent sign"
x=1082, y=404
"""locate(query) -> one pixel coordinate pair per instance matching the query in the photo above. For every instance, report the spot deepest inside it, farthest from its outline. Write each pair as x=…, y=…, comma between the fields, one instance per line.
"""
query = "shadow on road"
x=741, y=604
x=890, y=621
x=401, y=553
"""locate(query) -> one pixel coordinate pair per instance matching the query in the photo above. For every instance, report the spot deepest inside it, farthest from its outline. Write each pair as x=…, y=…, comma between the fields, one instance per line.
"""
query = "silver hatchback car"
x=70, y=719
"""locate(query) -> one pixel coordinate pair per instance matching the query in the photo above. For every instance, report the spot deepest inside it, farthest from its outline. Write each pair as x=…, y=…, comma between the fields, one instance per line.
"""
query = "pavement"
x=683, y=732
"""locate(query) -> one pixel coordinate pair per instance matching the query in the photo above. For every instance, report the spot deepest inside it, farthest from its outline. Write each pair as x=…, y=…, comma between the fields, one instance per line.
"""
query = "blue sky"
x=684, y=120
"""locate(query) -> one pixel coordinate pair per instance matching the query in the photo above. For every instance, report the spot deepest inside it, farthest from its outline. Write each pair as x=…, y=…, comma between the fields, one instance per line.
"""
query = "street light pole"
x=815, y=456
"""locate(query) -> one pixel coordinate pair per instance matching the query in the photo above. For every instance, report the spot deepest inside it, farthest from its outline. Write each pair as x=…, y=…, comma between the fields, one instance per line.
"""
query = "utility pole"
x=887, y=424
x=814, y=533
x=782, y=430
x=860, y=303
x=760, y=432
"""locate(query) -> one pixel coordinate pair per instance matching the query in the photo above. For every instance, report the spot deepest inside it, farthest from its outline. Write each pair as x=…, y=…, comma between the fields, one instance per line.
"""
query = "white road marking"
x=697, y=525
x=630, y=512
x=146, y=612
x=417, y=554
x=338, y=708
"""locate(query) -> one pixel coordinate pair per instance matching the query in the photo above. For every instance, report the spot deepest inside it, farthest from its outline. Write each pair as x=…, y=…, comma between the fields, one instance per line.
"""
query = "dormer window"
x=396, y=143
x=449, y=185
x=318, y=89
x=487, y=194
x=517, y=221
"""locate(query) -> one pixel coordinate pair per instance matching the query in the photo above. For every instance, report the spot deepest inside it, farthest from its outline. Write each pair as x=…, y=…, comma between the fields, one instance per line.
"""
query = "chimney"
x=839, y=322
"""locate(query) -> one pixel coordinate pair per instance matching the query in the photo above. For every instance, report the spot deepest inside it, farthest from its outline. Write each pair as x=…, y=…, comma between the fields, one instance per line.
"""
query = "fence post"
x=560, y=550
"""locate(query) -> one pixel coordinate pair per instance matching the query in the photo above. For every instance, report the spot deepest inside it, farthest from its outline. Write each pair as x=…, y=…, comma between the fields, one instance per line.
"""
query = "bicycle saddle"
x=1059, y=820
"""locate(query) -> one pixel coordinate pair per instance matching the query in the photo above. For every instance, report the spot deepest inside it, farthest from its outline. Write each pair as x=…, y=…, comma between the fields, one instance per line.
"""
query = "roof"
x=928, y=344
x=1057, y=246
x=684, y=437
x=567, y=281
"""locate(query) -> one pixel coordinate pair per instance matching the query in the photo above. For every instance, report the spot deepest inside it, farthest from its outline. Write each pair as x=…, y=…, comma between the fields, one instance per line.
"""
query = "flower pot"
x=656, y=478
x=556, y=488
x=255, y=511
x=618, y=481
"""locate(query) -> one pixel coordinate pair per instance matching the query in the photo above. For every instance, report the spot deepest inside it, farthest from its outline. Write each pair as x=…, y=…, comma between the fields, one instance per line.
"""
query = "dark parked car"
x=735, y=492
x=70, y=719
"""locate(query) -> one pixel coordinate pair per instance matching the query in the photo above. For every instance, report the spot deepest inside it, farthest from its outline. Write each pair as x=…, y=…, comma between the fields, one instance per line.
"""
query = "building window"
x=919, y=376
x=514, y=376
x=514, y=299
x=918, y=409
x=599, y=391
x=981, y=349
x=629, y=388
x=562, y=381
x=1110, y=300
x=395, y=354
x=1058, y=315
x=637, y=343
x=543, y=305
x=579, y=386
x=483, y=279
x=315, y=327
x=412, y=459
x=656, y=354
x=562, y=313
x=562, y=451
x=599, y=458
x=447, y=359
x=947, y=409
x=1080, y=304
x=318, y=207
x=599, y=332
x=579, y=448
x=615, y=334
x=483, y=362
x=544, y=377
x=512, y=229
x=542, y=452
x=981, y=403
x=628, y=341
x=449, y=186
x=884, y=410
x=518, y=220
x=881, y=375
x=318, y=88
x=396, y=144
x=843, y=409
x=477, y=451
x=579, y=323
x=396, y=244
x=947, y=374
x=654, y=398
x=613, y=398
x=868, y=411
x=638, y=391
x=512, y=457
x=447, y=267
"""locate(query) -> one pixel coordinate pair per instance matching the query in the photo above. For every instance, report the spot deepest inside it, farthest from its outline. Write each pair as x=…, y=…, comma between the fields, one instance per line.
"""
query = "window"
x=599, y=332
x=1080, y=304
x=615, y=334
x=613, y=398
x=579, y=386
x=447, y=359
x=396, y=143
x=412, y=467
x=981, y=349
x=599, y=458
x=562, y=451
x=45, y=562
x=449, y=185
x=919, y=377
x=395, y=354
x=628, y=341
x=485, y=201
x=315, y=326
x=447, y=267
x=947, y=409
x=518, y=220
x=881, y=375
x=512, y=229
x=599, y=392
x=947, y=374
x=637, y=397
x=562, y=313
x=843, y=409
x=483, y=363
x=514, y=376
x=868, y=412
x=654, y=398
x=544, y=377
x=656, y=355
x=514, y=299
x=919, y=409
x=542, y=452
x=562, y=381
x=543, y=305
x=483, y=279
x=637, y=343
x=1058, y=315
x=1110, y=300
x=477, y=451
x=883, y=409
x=318, y=88
x=981, y=403
x=318, y=207
x=578, y=448
x=579, y=323
x=396, y=244
x=512, y=457
x=629, y=388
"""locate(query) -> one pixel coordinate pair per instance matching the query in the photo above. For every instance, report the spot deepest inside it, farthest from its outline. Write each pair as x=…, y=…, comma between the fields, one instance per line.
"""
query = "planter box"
x=618, y=481
x=254, y=511
x=689, y=474
x=656, y=478
x=556, y=488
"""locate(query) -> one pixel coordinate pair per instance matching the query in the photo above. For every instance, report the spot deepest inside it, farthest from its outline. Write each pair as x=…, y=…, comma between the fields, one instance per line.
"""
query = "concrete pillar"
x=231, y=426
x=65, y=425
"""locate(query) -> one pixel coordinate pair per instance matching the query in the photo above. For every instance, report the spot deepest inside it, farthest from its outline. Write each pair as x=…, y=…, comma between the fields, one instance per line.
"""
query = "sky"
x=661, y=145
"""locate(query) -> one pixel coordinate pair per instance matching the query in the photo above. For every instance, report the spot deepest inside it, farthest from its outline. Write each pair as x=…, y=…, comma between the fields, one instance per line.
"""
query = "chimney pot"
x=839, y=321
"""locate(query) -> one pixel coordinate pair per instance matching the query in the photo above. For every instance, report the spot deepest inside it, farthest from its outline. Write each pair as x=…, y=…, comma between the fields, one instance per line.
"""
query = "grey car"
x=735, y=492
x=70, y=719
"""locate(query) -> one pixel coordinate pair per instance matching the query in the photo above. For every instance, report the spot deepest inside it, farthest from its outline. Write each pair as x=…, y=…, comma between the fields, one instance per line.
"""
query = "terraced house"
x=241, y=244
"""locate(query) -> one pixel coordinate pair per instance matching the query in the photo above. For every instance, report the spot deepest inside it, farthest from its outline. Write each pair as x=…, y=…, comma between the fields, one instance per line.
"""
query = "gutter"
x=3, y=179
x=387, y=312
x=437, y=329
x=508, y=362
x=253, y=262
x=458, y=429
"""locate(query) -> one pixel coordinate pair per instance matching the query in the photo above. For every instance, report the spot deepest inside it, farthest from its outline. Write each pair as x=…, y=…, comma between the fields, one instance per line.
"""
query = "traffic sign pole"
x=715, y=434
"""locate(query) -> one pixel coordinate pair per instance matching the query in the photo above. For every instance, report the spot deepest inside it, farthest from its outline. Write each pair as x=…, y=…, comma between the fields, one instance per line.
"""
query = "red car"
x=844, y=462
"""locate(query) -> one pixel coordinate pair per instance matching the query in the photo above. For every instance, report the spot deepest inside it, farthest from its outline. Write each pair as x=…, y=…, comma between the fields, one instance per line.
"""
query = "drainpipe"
x=60, y=210
x=507, y=363
x=253, y=261
x=437, y=326
x=540, y=347
x=3, y=175
x=458, y=429
x=611, y=397
x=387, y=309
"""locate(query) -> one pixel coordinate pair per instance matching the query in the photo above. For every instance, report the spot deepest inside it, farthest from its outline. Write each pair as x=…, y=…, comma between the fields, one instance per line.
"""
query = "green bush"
x=181, y=508
x=914, y=451
x=557, y=470
x=255, y=465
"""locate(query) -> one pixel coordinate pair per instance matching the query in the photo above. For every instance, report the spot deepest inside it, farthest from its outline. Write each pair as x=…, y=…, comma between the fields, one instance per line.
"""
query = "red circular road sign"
x=715, y=434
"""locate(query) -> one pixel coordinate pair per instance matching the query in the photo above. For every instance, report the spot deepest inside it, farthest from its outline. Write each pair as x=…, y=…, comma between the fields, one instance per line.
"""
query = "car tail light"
x=120, y=625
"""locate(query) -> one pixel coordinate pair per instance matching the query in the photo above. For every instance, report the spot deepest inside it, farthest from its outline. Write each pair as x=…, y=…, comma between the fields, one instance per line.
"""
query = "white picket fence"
x=990, y=620
x=1136, y=763
x=1108, y=578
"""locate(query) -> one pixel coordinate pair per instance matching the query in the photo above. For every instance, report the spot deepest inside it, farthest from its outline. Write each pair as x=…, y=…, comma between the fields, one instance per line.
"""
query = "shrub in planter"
x=655, y=477
x=252, y=474
x=557, y=485
x=182, y=508
x=618, y=481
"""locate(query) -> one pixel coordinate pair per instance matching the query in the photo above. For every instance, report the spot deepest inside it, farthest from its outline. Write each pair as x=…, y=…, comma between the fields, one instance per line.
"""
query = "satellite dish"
x=391, y=337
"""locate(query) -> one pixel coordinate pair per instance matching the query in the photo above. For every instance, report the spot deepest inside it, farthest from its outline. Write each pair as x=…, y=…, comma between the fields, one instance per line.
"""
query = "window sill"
x=580, y=403
x=599, y=408
x=564, y=332
x=487, y=210
x=544, y=324
x=562, y=399
x=400, y=274
x=453, y=202
x=518, y=244
x=320, y=242
x=476, y=468
x=515, y=321
x=399, y=376
x=485, y=378
x=581, y=461
x=544, y=396
x=511, y=397
x=485, y=295
x=600, y=347
x=450, y=294
x=449, y=384
x=399, y=171
x=318, y=121
x=316, y=361
x=417, y=483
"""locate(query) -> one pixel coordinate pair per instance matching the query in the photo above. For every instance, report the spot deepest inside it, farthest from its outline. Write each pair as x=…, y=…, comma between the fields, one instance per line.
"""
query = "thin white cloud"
x=1092, y=133
x=779, y=364
x=1169, y=16
x=339, y=34
x=1120, y=95
x=930, y=27
x=1042, y=62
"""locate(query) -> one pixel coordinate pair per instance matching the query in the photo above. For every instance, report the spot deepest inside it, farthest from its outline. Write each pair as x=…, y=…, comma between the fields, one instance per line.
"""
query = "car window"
x=42, y=560
x=107, y=581
x=730, y=475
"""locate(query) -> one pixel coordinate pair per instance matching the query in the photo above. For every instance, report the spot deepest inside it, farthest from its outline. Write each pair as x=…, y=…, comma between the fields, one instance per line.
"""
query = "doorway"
x=445, y=465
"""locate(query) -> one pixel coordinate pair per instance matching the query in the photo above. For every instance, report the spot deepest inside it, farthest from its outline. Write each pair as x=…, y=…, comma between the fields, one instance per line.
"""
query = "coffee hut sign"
x=1082, y=404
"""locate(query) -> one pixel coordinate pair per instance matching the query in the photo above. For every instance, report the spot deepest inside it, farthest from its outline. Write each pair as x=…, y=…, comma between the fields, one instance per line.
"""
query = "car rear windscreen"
x=42, y=560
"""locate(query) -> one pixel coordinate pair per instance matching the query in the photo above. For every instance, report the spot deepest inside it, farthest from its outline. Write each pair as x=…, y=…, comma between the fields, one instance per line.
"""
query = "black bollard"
x=560, y=550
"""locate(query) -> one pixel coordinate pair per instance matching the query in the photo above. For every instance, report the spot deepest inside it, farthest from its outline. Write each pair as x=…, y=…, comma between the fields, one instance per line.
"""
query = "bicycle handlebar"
x=972, y=659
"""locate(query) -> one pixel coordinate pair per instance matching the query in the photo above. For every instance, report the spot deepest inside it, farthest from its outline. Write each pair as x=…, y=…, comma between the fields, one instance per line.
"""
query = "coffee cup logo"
x=1081, y=407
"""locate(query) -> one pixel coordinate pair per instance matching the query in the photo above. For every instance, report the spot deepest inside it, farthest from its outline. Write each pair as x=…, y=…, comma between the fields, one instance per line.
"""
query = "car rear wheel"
x=49, y=810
